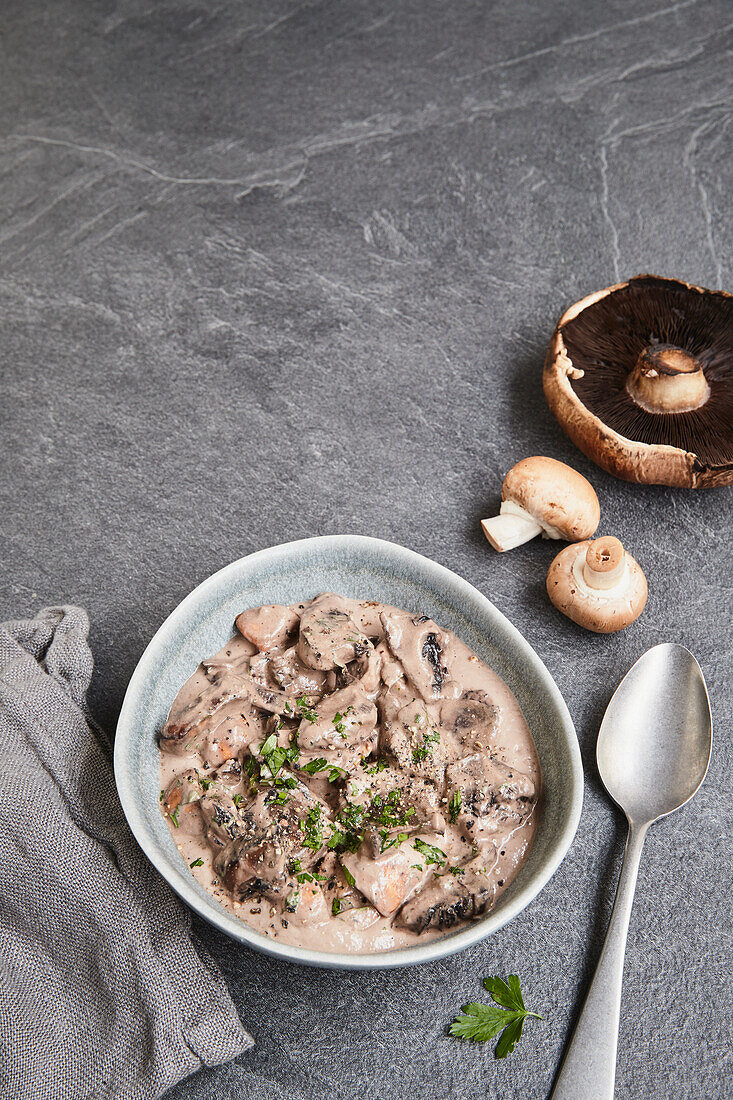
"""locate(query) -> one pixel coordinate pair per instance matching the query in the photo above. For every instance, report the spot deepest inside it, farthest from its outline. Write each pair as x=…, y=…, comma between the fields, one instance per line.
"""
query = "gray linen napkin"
x=102, y=994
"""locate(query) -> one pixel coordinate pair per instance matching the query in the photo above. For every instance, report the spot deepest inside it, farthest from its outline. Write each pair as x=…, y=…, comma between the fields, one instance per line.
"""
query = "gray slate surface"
x=284, y=269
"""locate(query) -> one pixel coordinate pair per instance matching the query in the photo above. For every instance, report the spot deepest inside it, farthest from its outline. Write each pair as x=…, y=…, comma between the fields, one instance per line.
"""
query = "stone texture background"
x=273, y=270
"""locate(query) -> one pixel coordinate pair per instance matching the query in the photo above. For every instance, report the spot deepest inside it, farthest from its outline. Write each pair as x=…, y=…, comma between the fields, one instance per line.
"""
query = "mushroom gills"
x=514, y=526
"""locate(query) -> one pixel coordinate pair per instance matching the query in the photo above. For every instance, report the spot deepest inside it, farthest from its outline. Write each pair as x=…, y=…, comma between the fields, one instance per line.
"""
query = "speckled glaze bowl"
x=367, y=568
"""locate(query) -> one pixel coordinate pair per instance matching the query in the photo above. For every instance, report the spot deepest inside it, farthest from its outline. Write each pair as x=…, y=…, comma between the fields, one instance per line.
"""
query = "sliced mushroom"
x=222, y=735
x=413, y=739
x=222, y=822
x=598, y=585
x=261, y=839
x=541, y=496
x=423, y=651
x=472, y=722
x=292, y=675
x=235, y=655
x=458, y=894
x=268, y=627
x=392, y=877
x=201, y=712
x=223, y=686
x=418, y=795
x=182, y=791
x=345, y=719
x=640, y=376
x=329, y=637
x=489, y=794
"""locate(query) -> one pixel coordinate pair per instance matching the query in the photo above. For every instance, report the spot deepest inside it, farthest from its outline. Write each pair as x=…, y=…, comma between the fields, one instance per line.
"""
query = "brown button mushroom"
x=597, y=585
x=640, y=376
x=543, y=496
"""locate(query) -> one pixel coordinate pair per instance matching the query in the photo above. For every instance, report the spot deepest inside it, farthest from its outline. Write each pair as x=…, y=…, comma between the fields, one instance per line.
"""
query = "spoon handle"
x=589, y=1067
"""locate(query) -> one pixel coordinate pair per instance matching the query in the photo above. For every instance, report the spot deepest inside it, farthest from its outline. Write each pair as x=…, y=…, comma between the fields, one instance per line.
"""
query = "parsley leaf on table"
x=479, y=1022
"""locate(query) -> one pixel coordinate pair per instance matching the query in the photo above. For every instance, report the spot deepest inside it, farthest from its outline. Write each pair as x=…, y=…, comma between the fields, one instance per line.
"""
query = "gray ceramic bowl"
x=370, y=569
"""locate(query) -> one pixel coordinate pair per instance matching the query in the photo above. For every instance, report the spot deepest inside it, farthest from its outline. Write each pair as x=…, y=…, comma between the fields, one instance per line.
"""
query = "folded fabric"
x=102, y=993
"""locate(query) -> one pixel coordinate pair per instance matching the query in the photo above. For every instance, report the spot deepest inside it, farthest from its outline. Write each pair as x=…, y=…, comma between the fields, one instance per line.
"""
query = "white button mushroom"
x=541, y=496
x=597, y=585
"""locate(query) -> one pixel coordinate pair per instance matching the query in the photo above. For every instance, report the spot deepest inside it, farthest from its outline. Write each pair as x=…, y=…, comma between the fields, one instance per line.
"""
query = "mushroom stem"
x=605, y=564
x=667, y=379
x=512, y=527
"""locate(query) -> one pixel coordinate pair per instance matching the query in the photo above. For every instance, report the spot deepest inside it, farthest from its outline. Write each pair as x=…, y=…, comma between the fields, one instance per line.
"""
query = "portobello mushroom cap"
x=640, y=376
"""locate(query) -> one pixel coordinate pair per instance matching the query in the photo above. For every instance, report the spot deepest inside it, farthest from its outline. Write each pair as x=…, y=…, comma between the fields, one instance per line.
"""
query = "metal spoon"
x=653, y=752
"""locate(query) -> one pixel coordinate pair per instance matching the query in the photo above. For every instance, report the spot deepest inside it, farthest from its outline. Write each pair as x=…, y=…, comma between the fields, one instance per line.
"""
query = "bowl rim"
x=238, y=930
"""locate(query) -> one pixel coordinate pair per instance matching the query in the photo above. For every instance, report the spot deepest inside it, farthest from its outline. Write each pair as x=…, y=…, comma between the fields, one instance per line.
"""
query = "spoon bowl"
x=653, y=752
x=655, y=740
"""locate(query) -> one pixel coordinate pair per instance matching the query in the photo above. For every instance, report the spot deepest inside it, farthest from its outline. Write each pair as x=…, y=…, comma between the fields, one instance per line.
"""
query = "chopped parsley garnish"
x=306, y=876
x=312, y=827
x=317, y=765
x=337, y=906
x=162, y=796
x=267, y=772
x=480, y=1022
x=385, y=810
x=296, y=868
x=347, y=833
x=386, y=841
x=430, y=852
x=305, y=710
x=352, y=816
x=173, y=815
x=338, y=720
x=275, y=756
x=292, y=901
x=277, y=794
x=430, y=737
x=197, y=863
x=339, y=840
x=348, y=876
x=335, y=774
x=379, y=766
x=454, y=806
x=238, y=799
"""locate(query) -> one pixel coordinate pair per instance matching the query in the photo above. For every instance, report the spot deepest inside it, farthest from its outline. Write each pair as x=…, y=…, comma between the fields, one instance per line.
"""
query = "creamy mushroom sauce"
x=349, y=777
